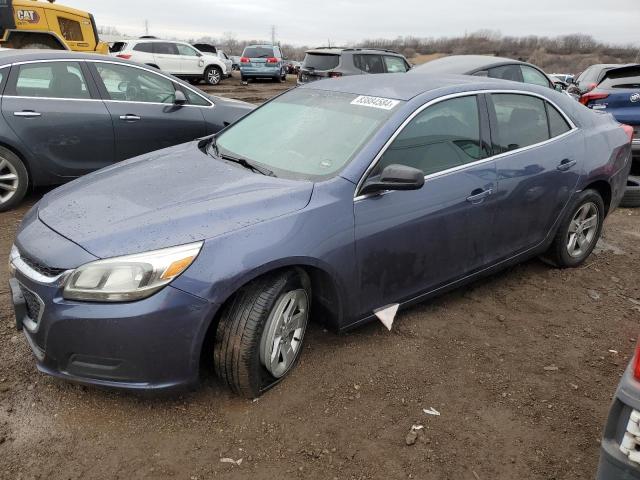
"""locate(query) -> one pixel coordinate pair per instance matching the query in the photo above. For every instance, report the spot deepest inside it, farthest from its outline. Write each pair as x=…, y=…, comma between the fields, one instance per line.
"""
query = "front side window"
x=444, y=136
x=186, y=50
x=70, y=29
x=521, y=121
x=195, y=99
x=53, y=80
x=369, y=63
x=533, y=76
x=306, y=134
x=131, y=84
x=395, y=64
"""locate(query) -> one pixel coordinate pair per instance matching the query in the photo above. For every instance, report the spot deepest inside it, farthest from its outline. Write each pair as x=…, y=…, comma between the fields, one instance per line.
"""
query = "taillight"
x=272, y=60
x=592, y=96
x=591, y=86
x=126, y=56
x=335, y=74
x=628, y=129
x=636, y=363
x=244, y=60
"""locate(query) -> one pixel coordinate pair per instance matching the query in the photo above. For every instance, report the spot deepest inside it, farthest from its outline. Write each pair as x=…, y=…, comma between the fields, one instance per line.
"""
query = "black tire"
x=213, y=75
x=10, y=164
x=236, y=350
x=631, y=198
x=558, y=253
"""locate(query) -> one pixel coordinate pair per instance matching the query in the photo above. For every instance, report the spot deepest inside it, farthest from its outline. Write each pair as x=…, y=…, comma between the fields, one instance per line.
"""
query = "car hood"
x=170, y=197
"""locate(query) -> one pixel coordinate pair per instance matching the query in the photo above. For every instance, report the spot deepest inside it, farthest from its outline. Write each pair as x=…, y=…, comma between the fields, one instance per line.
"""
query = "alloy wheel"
x=582, y=230
x=8, y=180
x=213, y=77
x=282, y=338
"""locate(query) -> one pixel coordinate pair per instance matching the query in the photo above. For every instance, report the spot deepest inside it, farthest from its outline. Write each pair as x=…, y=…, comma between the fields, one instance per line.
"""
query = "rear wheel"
x=14, y=180
x=213, y=75
x=261, y=331
x=579, y=231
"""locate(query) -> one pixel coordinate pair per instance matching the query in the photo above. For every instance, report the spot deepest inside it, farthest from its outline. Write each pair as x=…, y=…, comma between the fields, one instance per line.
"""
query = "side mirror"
x=394, y=177
x=180, y=98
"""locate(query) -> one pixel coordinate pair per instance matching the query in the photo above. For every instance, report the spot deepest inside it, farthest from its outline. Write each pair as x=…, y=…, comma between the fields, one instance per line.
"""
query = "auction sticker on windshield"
x=375, y=102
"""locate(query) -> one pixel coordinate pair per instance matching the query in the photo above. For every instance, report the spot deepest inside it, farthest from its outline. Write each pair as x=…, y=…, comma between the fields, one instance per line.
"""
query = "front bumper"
x=151, y=344
x=615, y=463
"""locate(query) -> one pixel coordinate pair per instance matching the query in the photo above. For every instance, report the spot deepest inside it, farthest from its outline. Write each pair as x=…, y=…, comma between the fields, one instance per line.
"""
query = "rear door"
x=141, y=104
x=167, y=57
x=537, y=160
x=54, y=108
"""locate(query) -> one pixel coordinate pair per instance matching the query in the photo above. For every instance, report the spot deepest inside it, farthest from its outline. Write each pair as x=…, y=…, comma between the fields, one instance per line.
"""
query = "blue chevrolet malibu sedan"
x=335, y=201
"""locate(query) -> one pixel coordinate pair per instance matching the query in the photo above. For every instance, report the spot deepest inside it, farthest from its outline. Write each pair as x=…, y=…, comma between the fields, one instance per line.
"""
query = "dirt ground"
x=477, y=356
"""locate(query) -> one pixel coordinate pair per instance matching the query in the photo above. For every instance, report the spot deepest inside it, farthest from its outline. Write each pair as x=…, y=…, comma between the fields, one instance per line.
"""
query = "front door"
x=142, y=107
x=191, y=62
x=50, y=107
x=411, y=242
x=537, y=164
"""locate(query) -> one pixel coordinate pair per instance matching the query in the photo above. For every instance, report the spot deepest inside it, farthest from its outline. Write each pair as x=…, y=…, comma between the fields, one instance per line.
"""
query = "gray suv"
x=334, y=62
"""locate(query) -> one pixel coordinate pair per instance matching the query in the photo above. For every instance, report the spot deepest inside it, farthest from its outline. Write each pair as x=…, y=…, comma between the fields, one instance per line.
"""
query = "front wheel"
x=579, y=231
x=14, y=180
x=261, y=331
x=213, y=75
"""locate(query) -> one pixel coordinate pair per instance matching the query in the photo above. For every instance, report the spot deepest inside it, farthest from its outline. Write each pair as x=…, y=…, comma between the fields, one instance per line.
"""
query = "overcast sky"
x=313, y=23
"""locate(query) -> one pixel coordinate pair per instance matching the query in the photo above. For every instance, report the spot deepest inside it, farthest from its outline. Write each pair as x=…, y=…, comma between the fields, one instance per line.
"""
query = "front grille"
x=34, y=307
x=42, y=269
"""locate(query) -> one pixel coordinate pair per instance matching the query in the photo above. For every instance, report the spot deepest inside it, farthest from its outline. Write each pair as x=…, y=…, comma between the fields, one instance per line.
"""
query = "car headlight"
x=129, y=278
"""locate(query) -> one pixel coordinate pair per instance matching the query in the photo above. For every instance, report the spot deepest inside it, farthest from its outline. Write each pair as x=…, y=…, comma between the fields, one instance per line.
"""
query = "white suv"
x=177, y=58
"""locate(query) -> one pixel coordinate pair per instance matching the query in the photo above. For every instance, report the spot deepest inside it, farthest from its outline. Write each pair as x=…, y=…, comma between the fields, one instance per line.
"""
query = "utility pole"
x=273, y=34
x=146, y=27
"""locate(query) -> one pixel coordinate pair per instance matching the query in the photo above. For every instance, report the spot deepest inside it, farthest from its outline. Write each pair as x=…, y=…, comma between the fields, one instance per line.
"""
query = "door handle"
x=478, y=195
x=27, y=114
x=566, y=164
x=130, y=118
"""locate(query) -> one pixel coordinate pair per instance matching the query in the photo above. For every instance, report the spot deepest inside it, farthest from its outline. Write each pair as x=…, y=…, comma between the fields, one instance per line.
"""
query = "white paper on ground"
x=387, y=314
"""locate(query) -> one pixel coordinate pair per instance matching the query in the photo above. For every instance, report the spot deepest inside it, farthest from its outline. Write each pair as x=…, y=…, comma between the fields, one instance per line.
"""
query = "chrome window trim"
x=92, y=60
x=420, y=109
x=24, y=97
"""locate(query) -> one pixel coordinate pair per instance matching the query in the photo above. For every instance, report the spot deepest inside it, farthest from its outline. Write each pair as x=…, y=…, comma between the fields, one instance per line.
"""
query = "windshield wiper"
x=214, y=152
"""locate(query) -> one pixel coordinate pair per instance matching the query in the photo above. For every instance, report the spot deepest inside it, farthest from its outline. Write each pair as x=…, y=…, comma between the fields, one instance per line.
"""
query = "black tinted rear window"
x=623, y=78
x=258, y=52
x=320, y=61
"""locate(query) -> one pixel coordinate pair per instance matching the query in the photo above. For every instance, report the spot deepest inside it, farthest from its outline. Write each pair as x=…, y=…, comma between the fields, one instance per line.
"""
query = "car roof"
x=400, y=86
x=465, y=64
x=339, y=50
x=14, y=56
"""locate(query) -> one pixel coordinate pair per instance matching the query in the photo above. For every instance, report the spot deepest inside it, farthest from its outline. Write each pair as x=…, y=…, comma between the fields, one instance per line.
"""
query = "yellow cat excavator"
x=44, y=24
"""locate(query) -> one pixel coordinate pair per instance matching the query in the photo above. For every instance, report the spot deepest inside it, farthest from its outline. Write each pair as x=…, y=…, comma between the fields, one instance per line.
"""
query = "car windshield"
x=307, y=134
x=258, y=52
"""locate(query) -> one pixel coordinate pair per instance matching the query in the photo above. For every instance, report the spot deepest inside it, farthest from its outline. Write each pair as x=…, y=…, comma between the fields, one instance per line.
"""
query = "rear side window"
x=557, y=124
x=53, y=80
x=165, y=48
x=369, y=63
x=144, y=47
x=70, y=29
x=533, y=76
x=320, y=61
x=507, y=72
x=258, y=52
x=521, y=121
x=443, y=136
x=395, y=64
